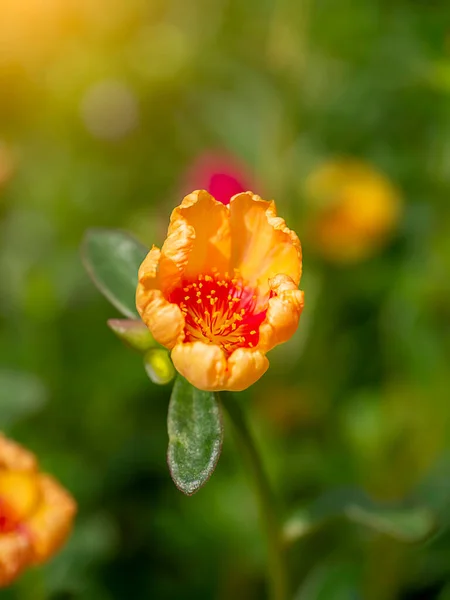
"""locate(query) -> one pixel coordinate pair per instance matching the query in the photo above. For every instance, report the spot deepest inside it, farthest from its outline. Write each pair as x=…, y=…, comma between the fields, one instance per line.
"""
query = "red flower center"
x=8, y=519
x=221, y=310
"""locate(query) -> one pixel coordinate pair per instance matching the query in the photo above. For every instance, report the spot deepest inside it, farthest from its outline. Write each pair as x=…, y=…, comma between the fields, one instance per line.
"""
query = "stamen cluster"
x=221, y=310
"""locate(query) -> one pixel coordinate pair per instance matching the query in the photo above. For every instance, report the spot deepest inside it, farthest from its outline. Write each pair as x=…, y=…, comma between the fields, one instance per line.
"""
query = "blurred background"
x=111, y=111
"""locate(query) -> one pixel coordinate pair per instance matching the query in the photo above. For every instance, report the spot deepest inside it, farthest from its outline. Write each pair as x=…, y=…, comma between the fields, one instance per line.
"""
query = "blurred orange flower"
x=223, y=290
x=355, y=209
x=36, y=513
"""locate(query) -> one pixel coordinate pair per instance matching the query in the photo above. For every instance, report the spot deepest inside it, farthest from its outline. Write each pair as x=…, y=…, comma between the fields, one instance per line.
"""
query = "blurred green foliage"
x=104, y=104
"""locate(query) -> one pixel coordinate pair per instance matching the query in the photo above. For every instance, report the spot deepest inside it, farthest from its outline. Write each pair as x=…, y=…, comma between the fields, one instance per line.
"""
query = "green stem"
x=268, y=513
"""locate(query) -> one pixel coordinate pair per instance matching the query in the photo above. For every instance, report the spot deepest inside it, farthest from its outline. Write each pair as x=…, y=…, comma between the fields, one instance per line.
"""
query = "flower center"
x=221, y=310
x=8, y=518
x=19, y=495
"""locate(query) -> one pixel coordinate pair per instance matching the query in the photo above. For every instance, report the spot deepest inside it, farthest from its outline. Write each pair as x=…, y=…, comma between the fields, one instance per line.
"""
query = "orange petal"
x=14, y=457
x=165, y=320
x=245, y=366
x=262, y=244
x=206, y=368
x=283, y=313
x=50, y=525
x=20, y=492
x=203, y=365
x=148, y=271
x=198, y=240
x=15, y=555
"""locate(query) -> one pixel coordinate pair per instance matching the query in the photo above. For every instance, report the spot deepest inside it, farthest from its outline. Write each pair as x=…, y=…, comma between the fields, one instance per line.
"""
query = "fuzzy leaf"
x=112, y=259
x=195, y=436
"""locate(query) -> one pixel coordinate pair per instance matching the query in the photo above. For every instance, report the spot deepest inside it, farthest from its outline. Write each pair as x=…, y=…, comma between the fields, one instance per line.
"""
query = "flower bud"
x=158, y=365
x=134, y=333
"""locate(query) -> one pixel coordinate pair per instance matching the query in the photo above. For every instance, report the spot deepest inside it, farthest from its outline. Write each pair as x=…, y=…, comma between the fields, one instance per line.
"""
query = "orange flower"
x=223, y=290
x=36, y=513
x=355, y=209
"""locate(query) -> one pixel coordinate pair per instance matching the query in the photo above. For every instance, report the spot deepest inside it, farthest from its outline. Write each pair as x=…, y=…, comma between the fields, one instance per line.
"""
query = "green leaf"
x=402, y=522
x=195, y=436
x=408, y=524
x=21, y=395
x=331, y=582
x=133, y=332
x=112, y=259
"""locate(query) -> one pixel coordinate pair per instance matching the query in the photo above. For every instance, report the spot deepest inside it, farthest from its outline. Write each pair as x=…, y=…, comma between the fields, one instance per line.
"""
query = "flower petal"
x=164, y=320
x=19, y=491
x=15, y=555
x=148, y=271
x=283, y=313
x=262, y=244
x=198, y=240
x=206, y=368
x=245, y=366
x=203, y=365
x=14, y=457
x=50, y=525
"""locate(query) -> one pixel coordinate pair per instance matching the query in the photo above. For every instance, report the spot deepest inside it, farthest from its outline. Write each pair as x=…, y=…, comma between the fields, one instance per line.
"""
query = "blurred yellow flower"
x=223, y=290
x=355, y=209
x=36, y=513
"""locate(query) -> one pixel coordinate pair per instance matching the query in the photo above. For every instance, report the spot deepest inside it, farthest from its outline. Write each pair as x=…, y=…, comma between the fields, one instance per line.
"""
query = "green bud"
x=158, y=365
x=133, y=332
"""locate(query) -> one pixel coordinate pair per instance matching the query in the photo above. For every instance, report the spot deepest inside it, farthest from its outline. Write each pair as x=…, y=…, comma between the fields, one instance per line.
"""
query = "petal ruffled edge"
x=283, y=313
x=279, y=224
x=164, y=319
x=262, y=244
x=198, y=240
x=206, y=367
x=245, y=367
x=203, y=365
